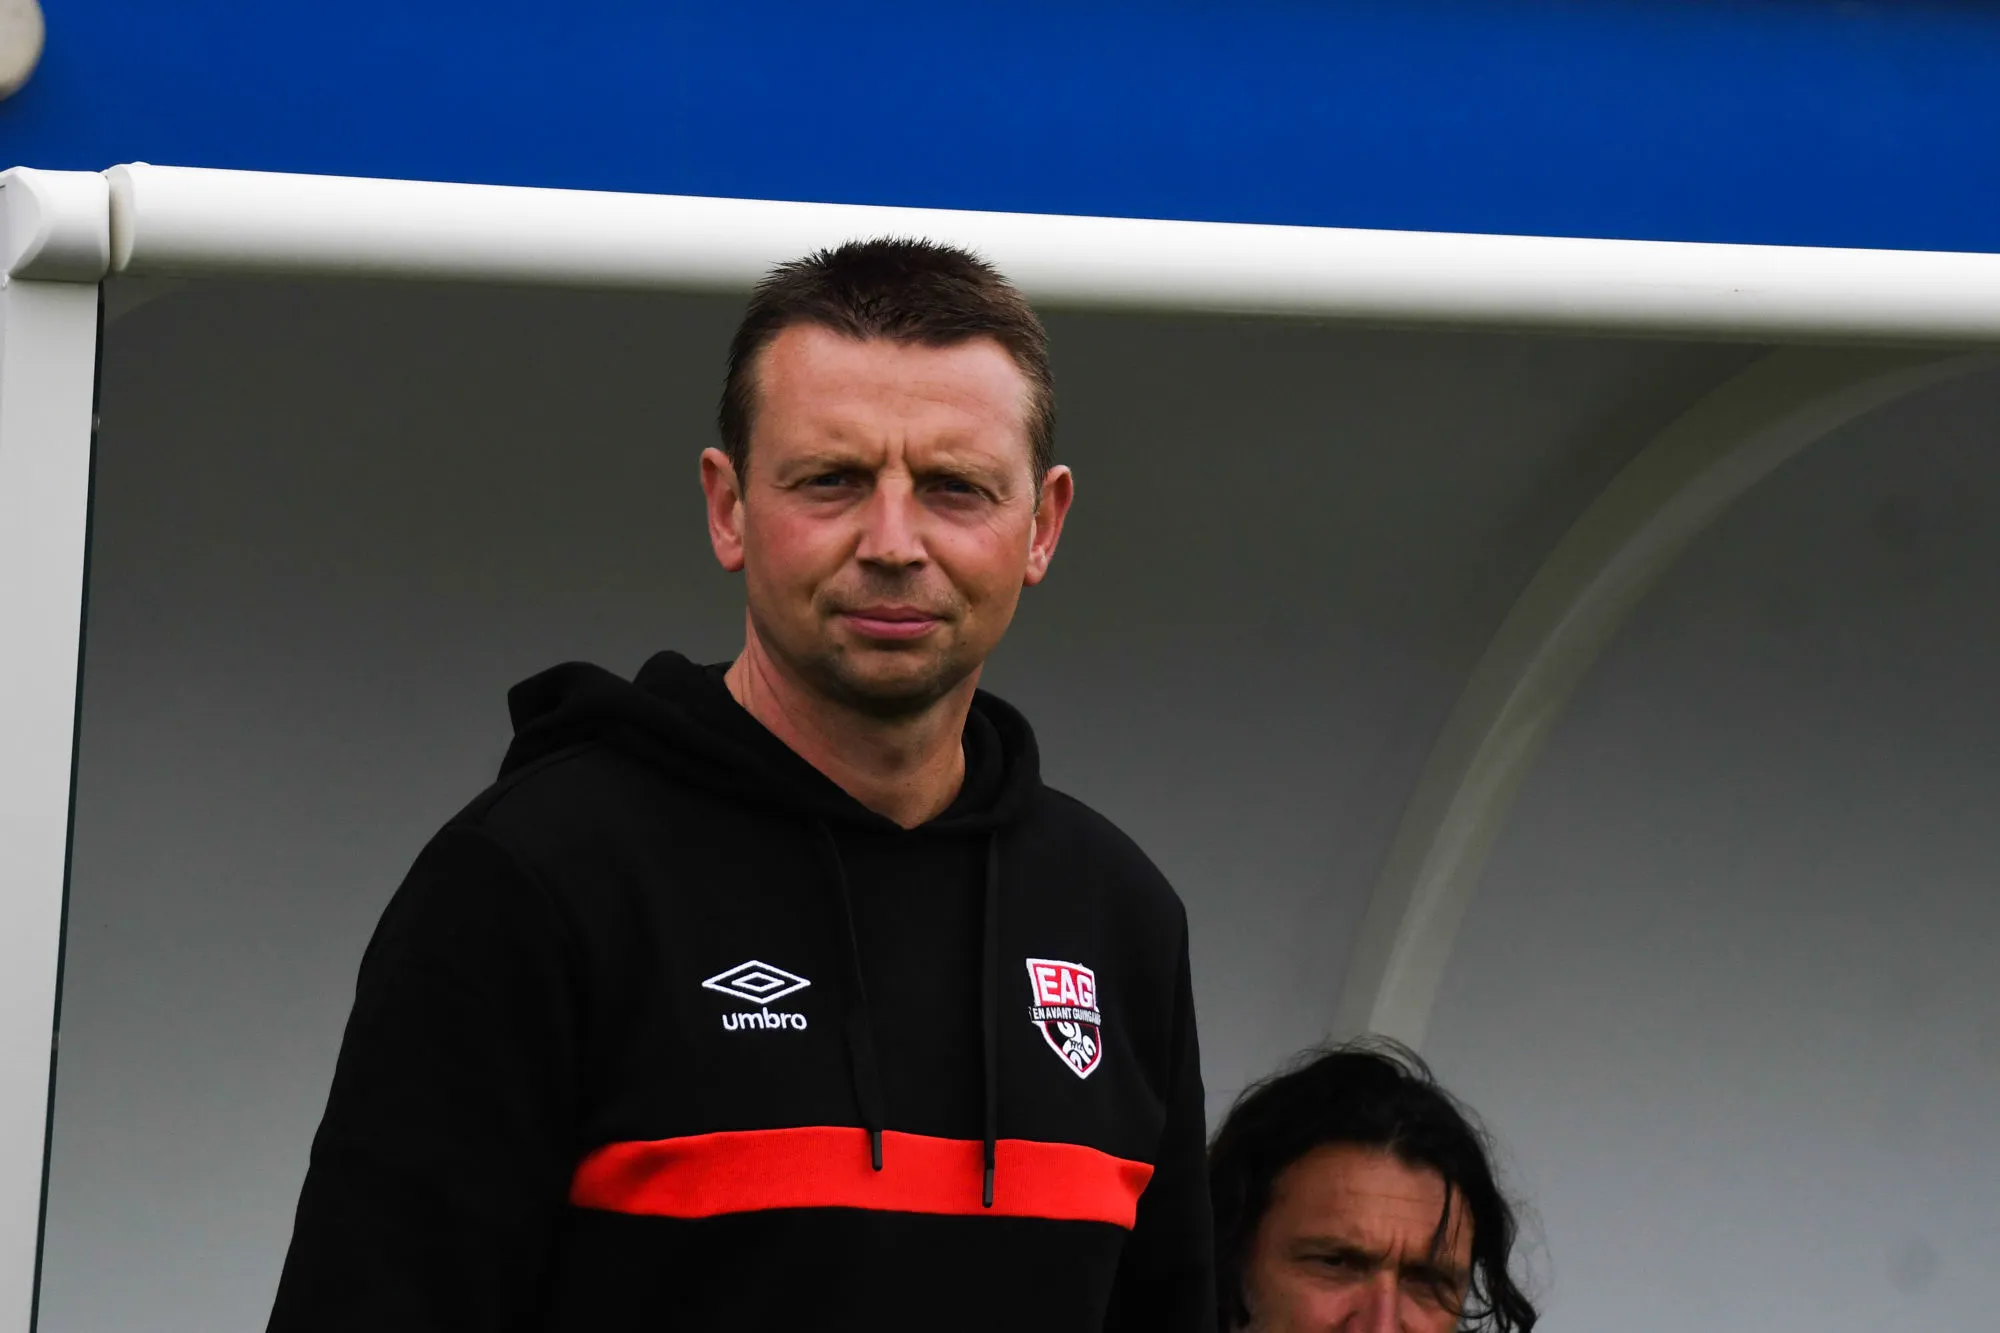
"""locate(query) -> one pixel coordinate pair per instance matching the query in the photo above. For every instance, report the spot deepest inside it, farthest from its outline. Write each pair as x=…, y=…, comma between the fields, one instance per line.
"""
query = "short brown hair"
x=908, y=291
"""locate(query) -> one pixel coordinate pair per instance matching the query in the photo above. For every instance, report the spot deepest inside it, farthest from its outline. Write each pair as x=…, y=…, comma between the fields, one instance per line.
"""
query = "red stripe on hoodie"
x=828, y=1166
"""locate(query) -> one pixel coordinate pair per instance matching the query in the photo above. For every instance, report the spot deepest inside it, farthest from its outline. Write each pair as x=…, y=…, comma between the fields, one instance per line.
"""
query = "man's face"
x=1346, y=1247
x=890, y=517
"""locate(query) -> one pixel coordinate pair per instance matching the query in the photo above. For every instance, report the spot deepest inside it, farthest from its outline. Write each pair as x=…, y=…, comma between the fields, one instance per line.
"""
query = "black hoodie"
x=666, y=1031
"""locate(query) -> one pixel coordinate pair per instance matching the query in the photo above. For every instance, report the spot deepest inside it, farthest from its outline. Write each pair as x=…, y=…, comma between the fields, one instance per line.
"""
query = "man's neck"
x=907, y=770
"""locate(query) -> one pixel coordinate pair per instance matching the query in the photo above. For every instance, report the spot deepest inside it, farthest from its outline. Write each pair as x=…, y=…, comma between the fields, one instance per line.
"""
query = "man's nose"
x=1379, y=1307
x=889, y=534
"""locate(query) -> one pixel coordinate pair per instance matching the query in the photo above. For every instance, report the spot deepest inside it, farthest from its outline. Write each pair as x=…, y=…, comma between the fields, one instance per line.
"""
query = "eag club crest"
x=1065, y=1009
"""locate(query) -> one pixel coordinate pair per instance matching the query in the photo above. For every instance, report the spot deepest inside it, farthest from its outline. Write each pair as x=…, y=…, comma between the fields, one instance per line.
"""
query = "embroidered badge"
x=1065, y=1011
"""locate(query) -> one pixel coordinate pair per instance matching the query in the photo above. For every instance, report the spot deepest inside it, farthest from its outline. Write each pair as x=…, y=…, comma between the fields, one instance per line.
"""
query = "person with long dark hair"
x=1352, y=1194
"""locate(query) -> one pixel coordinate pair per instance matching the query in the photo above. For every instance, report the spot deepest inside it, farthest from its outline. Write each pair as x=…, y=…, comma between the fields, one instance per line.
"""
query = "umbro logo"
x=759, y=983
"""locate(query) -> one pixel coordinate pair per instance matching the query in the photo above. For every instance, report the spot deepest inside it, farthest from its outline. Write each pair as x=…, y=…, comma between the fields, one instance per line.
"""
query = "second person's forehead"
x=1365, y=1188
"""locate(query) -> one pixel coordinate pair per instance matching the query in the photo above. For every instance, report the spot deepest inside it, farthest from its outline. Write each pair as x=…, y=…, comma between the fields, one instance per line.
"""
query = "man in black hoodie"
x=785, y=996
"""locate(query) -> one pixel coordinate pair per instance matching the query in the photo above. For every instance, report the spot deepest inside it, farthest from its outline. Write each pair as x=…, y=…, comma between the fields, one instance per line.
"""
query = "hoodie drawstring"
x=861, y=1061
x=989, y=1004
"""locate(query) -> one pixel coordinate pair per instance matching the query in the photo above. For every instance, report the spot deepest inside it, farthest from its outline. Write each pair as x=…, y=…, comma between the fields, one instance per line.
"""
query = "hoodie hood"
x=679, y=716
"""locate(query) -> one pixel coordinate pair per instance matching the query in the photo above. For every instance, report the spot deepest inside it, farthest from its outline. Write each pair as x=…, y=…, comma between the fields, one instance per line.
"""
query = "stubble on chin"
x=835, y=671
x=905, y=696
x=828, y=669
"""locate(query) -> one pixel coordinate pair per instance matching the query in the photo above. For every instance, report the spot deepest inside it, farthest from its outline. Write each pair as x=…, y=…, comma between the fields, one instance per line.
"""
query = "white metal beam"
x=1677, y=485
x=53, y=224
x=181, y=221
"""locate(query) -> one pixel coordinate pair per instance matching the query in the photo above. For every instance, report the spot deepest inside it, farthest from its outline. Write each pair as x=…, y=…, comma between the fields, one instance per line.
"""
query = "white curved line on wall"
x=1688, y=475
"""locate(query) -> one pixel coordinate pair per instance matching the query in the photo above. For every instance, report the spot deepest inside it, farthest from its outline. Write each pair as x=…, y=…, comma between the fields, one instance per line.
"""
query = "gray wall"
x=1731, y=989
x=333, y=524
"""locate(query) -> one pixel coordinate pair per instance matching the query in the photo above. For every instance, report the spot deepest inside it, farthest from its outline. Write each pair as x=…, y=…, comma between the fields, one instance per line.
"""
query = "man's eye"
x=956, y=486
x=829, y=480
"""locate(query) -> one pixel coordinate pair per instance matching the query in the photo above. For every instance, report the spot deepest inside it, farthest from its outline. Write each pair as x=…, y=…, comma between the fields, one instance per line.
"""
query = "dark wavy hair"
x=1371, y=1093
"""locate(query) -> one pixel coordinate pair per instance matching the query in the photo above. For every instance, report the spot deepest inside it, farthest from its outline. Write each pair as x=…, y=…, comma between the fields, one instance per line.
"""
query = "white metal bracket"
x=55, y=226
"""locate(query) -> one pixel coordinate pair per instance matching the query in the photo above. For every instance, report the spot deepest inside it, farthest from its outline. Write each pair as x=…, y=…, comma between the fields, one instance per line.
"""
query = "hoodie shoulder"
x=559, y=807
x=1074, y=830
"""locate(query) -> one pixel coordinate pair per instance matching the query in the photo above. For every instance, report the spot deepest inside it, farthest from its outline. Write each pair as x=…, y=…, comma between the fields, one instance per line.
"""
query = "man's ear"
x=724, y=494
x=1058, y=489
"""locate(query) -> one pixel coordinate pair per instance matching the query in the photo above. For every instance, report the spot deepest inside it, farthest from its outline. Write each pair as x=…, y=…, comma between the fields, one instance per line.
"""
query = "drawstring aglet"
x=987, y=1202
x=875, y=1147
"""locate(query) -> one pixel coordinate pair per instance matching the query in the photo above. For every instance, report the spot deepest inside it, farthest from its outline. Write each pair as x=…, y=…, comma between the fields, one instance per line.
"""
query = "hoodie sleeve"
x=442, y=1163
x=1166, y=1281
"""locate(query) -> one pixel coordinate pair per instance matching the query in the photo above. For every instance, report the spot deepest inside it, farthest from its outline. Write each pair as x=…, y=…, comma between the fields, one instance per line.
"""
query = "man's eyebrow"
x=971, y=469
x=1346, y=1245
x=945, y=460
x=1417, y=1270
x=821, y=458
x=1435, y=1272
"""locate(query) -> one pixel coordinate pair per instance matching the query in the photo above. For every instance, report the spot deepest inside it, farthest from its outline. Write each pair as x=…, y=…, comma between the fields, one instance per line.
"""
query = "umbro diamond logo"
x=759, y=983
